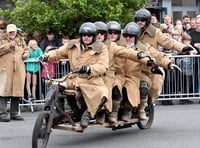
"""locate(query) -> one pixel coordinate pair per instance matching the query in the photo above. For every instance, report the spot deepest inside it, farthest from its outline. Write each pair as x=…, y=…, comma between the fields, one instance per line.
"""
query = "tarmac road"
x=175, y=126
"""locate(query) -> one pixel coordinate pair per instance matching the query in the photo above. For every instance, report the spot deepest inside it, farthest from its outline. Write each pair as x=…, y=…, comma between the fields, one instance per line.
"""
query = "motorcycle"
x=52, y=117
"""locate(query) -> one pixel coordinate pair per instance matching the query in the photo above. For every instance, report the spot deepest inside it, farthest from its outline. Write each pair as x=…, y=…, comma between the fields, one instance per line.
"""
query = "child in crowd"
x=187, y=66
x=51, y=69
x=32, y=67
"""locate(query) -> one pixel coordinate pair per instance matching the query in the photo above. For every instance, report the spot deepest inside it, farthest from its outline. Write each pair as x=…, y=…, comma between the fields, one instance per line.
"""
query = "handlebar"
x=57, y=80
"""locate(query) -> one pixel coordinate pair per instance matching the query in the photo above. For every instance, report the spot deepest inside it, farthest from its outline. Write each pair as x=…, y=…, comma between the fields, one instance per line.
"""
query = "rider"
x=132, y=33
x=155, y=37
x=114, y=51
x=91, y=57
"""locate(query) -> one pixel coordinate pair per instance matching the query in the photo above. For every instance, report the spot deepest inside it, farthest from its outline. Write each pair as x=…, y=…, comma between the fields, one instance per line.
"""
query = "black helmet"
x=88, y=28
x=132, y=29
x=113, y=25
x=101, y=27
x=143, y=14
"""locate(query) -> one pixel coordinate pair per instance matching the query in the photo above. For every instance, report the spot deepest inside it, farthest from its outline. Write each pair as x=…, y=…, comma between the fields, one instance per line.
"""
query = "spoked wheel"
x=40, y=135
x=149, y=109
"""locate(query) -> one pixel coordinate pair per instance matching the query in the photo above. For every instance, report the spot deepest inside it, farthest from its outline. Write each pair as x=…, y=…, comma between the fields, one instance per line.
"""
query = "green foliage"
x=66, y=16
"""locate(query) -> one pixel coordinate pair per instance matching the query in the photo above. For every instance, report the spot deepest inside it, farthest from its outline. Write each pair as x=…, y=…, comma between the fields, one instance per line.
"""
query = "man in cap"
x=13, y=50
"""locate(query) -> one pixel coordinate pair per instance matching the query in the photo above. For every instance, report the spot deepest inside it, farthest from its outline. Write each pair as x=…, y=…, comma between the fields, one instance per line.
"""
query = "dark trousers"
x=14, y=105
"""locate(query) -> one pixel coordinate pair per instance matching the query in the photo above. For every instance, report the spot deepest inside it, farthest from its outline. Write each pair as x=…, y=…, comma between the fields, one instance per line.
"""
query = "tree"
x=66, y=16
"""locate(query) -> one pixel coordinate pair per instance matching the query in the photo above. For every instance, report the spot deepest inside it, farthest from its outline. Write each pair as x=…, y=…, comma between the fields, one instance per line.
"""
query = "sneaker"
x=4, y=118
x=17, y=118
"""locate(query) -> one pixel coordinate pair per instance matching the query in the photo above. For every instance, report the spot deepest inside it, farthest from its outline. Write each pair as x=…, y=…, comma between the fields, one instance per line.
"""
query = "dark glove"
x=155, y=67
x=187, y=49
x=172, y=66
x=85, y=69
x=43, y=58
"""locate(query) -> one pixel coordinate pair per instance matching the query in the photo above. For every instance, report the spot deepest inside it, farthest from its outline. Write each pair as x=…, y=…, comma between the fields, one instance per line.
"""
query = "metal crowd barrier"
x=185, y=84
x=177, y=85
x=61, y=68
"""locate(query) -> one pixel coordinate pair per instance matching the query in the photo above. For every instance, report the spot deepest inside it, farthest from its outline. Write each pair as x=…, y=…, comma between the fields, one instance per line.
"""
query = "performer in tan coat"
x=115, y=51
x=132, y=33
x=155, y=37
x=91, y=57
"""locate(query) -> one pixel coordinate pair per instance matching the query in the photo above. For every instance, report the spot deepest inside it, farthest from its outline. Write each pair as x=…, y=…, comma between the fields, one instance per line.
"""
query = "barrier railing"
x=177, y=85
x=56, y=70
x=185, y=84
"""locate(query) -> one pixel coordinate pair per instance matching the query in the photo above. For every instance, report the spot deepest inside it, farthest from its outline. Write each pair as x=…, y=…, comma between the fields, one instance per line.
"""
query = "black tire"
x=40, y=136
x=150, y=114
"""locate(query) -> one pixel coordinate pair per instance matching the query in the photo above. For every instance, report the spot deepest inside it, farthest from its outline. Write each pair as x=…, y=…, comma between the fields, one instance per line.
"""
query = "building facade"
x=175, y=8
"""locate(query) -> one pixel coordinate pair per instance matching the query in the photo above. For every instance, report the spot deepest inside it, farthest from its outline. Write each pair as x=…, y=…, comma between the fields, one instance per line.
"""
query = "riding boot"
x=100, y=117
x=85, y=119
x=142, y=114
x=113, y=117
x=127, y=112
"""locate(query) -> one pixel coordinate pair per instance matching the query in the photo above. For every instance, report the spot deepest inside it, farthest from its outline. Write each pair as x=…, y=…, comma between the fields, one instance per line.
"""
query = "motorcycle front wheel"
x=40, y=135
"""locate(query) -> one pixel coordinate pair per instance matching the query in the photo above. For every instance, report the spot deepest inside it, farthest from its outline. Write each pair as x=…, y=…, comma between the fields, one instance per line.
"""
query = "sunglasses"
x=128, y=35
x=113, y=32
x=140, y=19
x=86, y=34
x=101, y=32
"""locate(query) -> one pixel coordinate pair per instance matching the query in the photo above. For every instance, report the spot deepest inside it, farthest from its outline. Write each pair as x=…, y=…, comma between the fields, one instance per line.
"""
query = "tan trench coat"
x=92, y=87
x=13, y=62
x=155, y=37
x=115, y=51
x=163, y=61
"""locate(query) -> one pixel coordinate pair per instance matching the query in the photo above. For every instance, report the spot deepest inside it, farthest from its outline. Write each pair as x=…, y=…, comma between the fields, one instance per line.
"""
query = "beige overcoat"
x=92, y=86
x=155, y=37
x=12, y=60
x=163, y=61
x=121, y=52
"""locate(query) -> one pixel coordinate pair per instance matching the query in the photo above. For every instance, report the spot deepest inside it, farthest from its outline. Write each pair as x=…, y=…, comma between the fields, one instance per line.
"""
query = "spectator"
x=64, y=66
x=167, y=20
x=179, y=28
x=26, y=37
x=196, y=35
x=192, y=24
x=178, y=22
x=154, y=21
x=32, y=68
x=169, y=75
x=37, y=35
x=186, y=20
x=176, y=35
x=49, y=40
x=13, y=51
x=51, y=69
x=187, y=66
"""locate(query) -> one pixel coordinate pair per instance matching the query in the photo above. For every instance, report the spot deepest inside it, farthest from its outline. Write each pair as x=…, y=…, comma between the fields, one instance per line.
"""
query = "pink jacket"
x=51, y=69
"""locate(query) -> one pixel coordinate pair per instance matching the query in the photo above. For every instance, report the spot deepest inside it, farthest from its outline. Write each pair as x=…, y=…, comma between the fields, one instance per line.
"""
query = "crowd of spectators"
x=186, y=31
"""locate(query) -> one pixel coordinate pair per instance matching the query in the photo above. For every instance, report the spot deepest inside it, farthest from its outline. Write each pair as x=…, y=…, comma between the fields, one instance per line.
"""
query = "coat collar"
x=96, y=46
x=150, y=30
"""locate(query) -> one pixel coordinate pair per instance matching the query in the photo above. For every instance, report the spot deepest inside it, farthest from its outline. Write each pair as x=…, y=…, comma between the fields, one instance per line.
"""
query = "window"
x=177, y=15
x=184, y=3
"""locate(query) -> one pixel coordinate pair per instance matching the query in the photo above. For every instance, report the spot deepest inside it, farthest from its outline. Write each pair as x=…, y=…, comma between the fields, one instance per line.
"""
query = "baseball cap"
x=11, y=27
